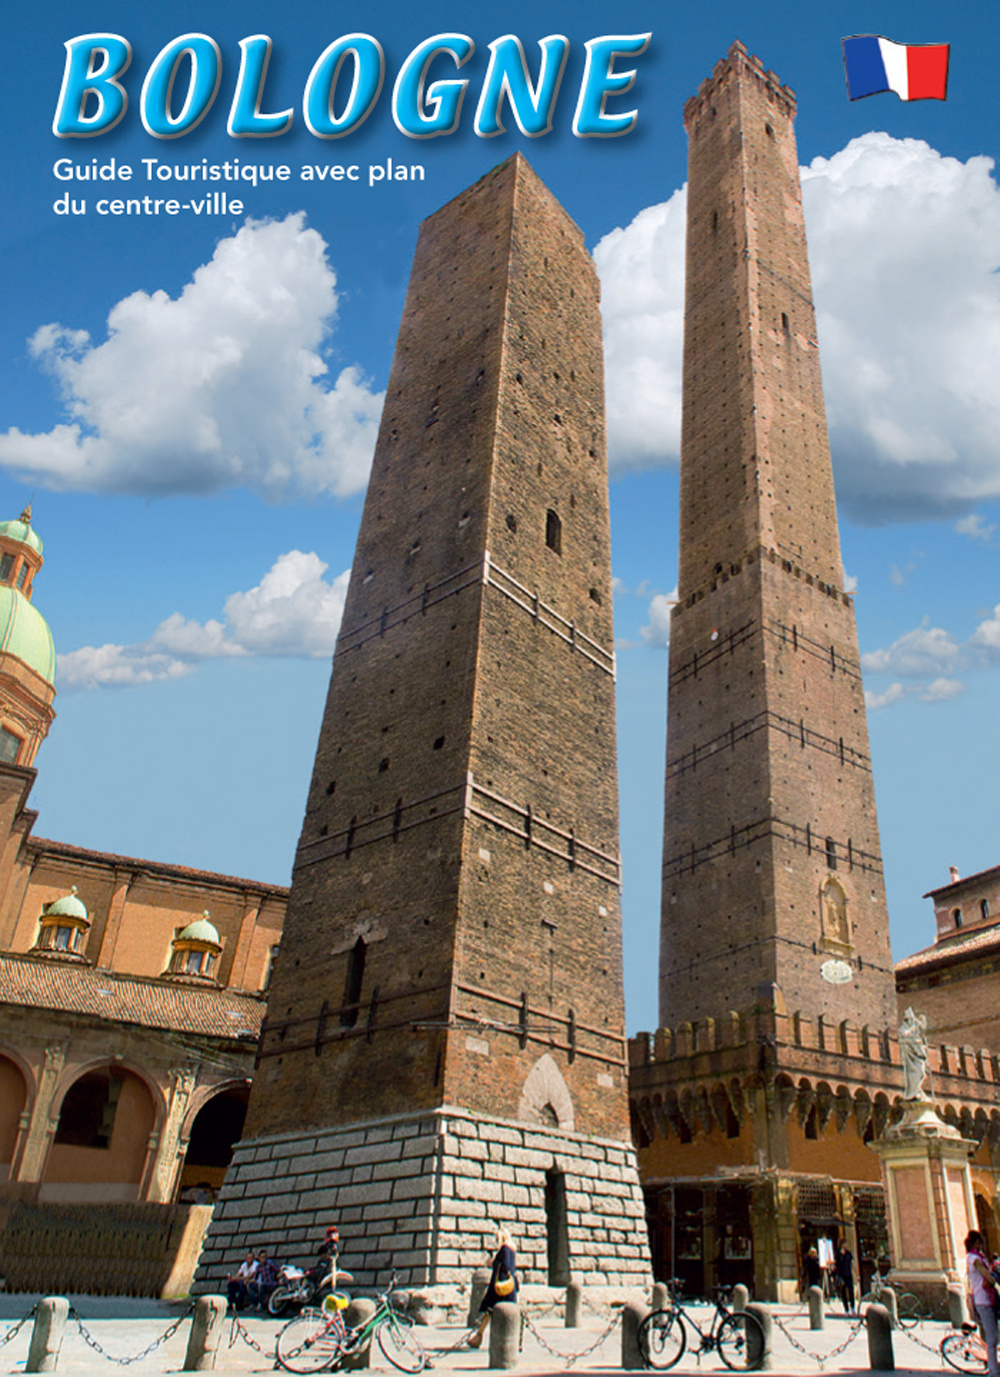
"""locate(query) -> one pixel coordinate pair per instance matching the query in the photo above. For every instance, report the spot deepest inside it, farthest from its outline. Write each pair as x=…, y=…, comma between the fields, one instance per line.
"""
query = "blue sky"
x=214, y=470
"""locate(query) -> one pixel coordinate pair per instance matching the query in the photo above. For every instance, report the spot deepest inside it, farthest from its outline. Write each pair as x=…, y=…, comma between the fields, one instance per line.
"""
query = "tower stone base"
x=422, y=1194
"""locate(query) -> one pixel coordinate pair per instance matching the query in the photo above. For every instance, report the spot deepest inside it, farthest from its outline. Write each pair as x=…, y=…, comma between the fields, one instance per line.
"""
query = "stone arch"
x=14, y=1091
x=211, y=1132
x=545, y=1098
x=100, y=1147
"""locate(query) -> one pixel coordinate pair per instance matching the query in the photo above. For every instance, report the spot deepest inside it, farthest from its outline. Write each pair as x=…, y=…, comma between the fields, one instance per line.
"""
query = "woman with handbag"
x=503, y=1284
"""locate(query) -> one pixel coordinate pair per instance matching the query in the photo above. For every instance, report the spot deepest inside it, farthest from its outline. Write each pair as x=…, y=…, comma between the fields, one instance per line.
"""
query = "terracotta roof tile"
x=70, y=988
x=943, y=954
x=83, y=853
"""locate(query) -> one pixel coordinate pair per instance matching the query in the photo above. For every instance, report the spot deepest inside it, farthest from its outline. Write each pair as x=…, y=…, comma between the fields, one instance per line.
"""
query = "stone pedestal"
x=929, y=1203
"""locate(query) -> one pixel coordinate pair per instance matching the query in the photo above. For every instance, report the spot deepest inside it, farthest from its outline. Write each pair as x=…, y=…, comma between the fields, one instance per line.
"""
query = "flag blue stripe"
x=865, y=69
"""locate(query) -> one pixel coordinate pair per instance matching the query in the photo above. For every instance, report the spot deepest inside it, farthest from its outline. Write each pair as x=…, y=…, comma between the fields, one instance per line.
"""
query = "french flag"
x=915, y=71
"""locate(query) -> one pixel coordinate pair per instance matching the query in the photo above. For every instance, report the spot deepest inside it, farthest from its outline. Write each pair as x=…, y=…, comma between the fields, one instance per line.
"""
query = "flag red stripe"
x=927, y=72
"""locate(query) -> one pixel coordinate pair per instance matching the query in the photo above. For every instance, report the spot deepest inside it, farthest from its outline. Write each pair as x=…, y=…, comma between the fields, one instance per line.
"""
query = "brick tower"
x=771, y=874
x=444, y=1045
x=774, y=1065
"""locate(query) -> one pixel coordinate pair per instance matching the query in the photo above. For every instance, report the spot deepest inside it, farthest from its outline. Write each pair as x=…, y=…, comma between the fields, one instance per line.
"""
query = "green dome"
x=24, y=632
x=69, y=906
x=200, y=931
x=21, y=530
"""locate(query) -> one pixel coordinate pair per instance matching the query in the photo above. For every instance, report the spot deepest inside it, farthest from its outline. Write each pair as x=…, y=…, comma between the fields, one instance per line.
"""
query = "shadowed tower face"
x=445, y=1036
x=772, y=874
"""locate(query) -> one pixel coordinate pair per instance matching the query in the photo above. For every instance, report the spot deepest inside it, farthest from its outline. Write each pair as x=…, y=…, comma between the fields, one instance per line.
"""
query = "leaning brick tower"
x=775, y=1063
x=772, y=877
x=444, y=1047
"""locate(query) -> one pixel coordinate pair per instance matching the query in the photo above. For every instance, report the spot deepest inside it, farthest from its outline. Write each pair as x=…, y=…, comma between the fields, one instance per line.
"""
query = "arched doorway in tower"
x=13, y=1098
x=216, y=1130
x=101, y=1141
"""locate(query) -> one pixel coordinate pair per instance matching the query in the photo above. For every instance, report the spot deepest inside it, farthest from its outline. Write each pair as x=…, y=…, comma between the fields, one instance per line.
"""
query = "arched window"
x=956, y=917
x=553, y=531
x=984, y=909
x=352, y=984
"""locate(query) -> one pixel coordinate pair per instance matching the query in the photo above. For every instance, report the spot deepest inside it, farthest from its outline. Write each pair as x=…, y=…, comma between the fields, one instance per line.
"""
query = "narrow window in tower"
x=984, y=909
x=715, y=222
x=956, y=916
x=352, y=984
x=553, y=531
x=785, y=325
x=831, y=853
x=557, y=1228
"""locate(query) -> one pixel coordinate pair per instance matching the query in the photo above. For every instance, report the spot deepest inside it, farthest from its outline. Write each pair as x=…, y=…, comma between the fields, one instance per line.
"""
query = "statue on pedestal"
x=913, y=1048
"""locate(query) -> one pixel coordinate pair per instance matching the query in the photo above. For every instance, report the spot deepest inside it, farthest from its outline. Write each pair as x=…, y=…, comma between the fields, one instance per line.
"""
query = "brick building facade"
x=444, y=1045
x=131, y=1000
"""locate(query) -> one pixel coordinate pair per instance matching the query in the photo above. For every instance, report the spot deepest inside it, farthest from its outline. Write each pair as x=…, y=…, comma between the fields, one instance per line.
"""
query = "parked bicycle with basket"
x=319, y=1340
x=738, y=1338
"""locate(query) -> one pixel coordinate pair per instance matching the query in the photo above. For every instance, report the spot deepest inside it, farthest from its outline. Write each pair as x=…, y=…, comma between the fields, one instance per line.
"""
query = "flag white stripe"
x=894, y=58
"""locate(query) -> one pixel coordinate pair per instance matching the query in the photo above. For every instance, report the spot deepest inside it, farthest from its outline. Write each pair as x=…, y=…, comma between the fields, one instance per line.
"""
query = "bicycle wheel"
x=310, y=1343
x=740, y=1342
x=400, y=1345
x=909, y=1310
x=662, y=1339
x=964, y=1352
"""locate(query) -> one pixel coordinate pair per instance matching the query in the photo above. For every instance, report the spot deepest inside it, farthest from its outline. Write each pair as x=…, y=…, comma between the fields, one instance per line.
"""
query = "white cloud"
x=657, y=631
x=976, y=528
x=224, y=386
x=850, y=582
x=940, y=690
x=642, y=301
x=904, y=247
x=292, y=611
x=893, y=694
x=925, y=650
x=986, y=638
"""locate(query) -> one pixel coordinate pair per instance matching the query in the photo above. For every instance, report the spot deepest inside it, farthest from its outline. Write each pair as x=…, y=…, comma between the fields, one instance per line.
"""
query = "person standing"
x=503, y=1283
x=844, y=1269
x=983, y=1292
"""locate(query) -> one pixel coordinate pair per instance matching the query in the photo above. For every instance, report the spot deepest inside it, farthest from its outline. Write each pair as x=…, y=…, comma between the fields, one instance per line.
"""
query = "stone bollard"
x=879, y=1325
x=741, y=1298
x=480, y=1285
x=574, y=1304
x=762, y=1361
x=633, y=1314
x=47, y=1334
x=505, y=1335
x=887, y=1297
x=355, y=1315
x=660, y=1297
x=816, y=1317
x=206, y=1334
x=957, y=1309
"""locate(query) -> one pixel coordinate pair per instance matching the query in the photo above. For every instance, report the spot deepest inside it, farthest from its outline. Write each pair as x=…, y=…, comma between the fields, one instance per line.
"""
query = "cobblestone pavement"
x=125, y=1328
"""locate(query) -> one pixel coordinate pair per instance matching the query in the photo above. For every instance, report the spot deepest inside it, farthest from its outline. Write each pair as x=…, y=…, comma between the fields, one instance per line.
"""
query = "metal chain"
x=909, y=1334
x=238, y=1330
x=91, y=1342
x=604, y=1312
x=453, y=1348
x=570, y=1358
x=820, y=1358
x=16, y=1328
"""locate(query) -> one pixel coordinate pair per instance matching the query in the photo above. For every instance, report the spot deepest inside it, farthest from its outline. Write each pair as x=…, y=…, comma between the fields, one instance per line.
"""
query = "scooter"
x=296, y=1289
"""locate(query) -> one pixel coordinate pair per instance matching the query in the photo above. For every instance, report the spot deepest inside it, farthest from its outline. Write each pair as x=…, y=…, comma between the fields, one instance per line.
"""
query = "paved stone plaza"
x=125, y=1327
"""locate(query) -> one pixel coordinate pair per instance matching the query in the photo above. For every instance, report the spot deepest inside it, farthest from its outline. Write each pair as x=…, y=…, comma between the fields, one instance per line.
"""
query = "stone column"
x=162, y=1174
x=929, y=1202
x=42, y=1124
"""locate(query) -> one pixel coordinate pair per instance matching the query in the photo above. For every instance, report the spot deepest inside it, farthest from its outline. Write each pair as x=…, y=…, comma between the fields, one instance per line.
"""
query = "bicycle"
x=964, y=1350
x=738, y=1338
x=319, y=1340
x=910, y=1309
